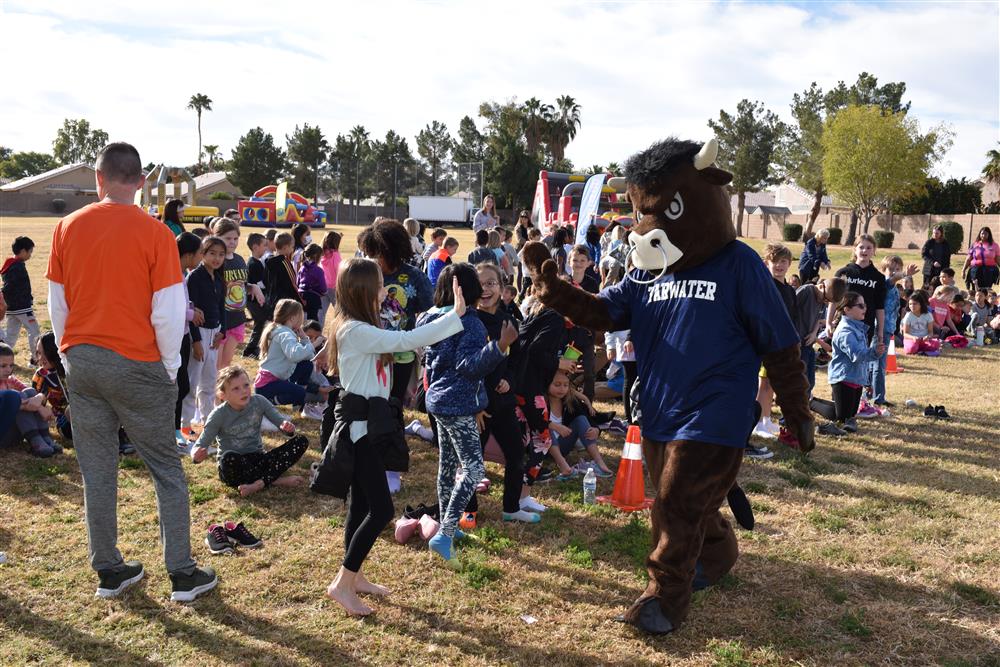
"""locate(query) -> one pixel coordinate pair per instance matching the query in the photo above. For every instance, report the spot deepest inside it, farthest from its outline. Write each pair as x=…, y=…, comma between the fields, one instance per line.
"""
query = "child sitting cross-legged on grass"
x=569, y=412
x=235, y=424
x=32, y=421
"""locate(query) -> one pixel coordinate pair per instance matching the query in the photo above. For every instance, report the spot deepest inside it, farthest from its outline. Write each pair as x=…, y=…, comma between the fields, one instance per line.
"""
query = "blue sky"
x=641, y=71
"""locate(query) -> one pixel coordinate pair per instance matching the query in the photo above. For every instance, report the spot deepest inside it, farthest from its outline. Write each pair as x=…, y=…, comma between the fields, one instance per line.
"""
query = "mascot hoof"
x=740, y=506
x=647, y=615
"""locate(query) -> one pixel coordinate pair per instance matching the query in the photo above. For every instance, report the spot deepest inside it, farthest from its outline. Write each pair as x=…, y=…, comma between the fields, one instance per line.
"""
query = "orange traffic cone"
x=629, y=494
x=890, y=359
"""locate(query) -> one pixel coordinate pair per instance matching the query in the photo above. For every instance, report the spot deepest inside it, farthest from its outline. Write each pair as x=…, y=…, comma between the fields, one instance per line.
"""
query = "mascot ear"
x=715, y=176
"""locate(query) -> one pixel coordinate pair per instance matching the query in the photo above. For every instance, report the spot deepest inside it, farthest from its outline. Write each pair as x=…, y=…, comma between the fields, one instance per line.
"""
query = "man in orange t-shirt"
x=117, y=306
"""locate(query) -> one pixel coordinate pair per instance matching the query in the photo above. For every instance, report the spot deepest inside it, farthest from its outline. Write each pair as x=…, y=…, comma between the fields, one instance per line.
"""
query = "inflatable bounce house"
x=159, y=177
x=566, y=199
x=275, y=206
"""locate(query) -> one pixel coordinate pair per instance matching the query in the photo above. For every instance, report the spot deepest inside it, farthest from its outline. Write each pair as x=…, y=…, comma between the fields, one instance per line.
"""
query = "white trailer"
x=441, y=210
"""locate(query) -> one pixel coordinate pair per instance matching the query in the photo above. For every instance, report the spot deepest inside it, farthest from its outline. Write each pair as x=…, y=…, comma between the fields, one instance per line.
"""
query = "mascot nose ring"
x=663, y=271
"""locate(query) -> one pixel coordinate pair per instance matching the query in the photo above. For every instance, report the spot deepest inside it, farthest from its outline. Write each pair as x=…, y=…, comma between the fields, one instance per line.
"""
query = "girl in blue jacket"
x=456, y=396
x=848, y=369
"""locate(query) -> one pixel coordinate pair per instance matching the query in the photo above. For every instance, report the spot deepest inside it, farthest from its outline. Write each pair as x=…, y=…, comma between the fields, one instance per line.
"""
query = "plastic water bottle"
x=590, y=487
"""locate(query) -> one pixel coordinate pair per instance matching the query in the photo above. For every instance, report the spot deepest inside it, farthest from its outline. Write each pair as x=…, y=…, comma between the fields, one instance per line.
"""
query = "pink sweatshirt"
x=331, y=264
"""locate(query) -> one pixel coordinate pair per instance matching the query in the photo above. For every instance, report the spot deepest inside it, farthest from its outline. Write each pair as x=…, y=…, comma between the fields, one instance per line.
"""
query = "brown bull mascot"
x=704, y=315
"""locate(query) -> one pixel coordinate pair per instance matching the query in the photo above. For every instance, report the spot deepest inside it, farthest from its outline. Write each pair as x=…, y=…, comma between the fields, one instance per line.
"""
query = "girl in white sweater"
x=362, y=354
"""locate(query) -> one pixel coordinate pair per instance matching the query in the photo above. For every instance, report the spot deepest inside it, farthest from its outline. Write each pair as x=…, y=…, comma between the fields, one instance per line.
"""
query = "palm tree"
x=199, y=102
x=614, y=169
x=564, y=125
x=537, y=116
x=212, y=154
x=991, y=172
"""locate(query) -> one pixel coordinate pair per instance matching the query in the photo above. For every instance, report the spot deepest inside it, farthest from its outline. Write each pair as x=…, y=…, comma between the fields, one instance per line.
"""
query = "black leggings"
x=313, y=303
x=401, y=374
x=503, y=426
x=630, y=370
x=236, y=469
x=846, y=400
x=369, y=508
x=183, y=381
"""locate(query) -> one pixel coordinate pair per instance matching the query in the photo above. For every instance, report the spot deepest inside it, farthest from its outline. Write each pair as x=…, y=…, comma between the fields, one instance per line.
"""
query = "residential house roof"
x=44, y=176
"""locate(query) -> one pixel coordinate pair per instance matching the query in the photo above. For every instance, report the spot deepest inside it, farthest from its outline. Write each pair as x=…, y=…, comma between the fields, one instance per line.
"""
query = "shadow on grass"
x=857, y=611
x=17, y=618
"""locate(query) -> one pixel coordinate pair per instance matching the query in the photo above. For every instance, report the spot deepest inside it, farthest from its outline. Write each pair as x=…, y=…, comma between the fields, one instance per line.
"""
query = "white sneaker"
x=761, y=430
x=267, y=426
x=413, y=428
x=313, y=411
x=529, y=504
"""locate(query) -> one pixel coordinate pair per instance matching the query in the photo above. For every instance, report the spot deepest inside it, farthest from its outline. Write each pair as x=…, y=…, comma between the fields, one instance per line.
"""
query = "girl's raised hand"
x=459, y=297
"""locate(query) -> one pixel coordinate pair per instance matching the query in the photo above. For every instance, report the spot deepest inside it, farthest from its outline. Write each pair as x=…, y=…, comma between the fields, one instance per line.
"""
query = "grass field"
x=880, y=548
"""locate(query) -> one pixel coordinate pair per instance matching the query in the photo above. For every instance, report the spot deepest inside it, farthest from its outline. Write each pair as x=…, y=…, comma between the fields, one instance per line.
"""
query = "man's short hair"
x=439, y=233
x=232, y=214
x=482, y=237
x=255, y=239
x=120, y=163
x=6, y=350
x=283, y=240
x=22, y=243
x=948, y=271
x=270, y=234
x=200, y=232
x=451, y=242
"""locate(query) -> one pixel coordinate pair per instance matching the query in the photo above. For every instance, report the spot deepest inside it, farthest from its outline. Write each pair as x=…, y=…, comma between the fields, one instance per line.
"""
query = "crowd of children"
x=411, y=325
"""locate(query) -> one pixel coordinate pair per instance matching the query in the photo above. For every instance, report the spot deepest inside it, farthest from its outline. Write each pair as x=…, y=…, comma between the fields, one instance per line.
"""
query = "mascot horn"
x=704, y=315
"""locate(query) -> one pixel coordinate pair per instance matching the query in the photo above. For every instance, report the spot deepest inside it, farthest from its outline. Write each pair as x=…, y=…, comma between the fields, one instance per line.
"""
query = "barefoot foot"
x=288, y=481
x=349, y=600
x=366, y=587
x=250, y=489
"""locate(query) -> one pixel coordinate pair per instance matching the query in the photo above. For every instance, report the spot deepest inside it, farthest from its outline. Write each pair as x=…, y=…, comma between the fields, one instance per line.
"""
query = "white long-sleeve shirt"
x=360, y=346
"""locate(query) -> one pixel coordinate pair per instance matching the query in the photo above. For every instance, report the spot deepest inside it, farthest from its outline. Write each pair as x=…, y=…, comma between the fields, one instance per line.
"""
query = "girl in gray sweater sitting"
x=235, y=425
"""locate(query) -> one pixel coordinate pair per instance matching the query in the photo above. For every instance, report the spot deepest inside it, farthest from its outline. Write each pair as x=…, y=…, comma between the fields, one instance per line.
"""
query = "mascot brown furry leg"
x=704, y=315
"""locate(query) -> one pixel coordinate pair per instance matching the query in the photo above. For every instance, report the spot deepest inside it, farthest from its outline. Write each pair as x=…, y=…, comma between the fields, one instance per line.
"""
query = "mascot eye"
x=676, y=208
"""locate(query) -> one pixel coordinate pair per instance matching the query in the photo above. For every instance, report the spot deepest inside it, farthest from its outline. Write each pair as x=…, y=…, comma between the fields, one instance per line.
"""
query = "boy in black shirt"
x=257, y=243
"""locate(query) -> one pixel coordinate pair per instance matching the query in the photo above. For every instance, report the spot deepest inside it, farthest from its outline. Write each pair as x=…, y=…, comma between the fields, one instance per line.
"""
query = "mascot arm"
x=582, y=307
x=791, y=389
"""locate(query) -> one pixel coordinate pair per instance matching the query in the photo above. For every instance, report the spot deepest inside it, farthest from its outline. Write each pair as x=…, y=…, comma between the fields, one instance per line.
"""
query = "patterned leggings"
x=236, y=469
x=458, y=441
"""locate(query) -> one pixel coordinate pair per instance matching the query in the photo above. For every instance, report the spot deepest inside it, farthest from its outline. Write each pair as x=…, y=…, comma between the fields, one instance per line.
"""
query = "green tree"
x=471, y=145
x=991, y=172
x=802, y=154
x=308, y=152
x=393, y=160
x=434, y=145
x=537, y=120
x=256, y=161
x=952, y=196
x=873, y=158
x=511, y=171
x=5, y=153
x=595, y=169
x=76, y=142
x=747, y=143
x=199, y=102
x=212, y=156
x=565, y=122
x=866, y=92
x=614, y=168
x=350, y=164
x=21, y=165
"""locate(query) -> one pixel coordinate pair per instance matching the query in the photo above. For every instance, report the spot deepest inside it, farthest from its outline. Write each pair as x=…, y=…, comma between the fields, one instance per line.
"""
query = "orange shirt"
x=110, y=260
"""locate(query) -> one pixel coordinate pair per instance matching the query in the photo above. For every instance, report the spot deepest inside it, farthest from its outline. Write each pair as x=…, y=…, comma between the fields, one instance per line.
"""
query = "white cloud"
x=640, y=71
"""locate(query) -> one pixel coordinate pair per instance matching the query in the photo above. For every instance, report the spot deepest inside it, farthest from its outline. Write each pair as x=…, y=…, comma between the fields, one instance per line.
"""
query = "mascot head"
x=681, y=205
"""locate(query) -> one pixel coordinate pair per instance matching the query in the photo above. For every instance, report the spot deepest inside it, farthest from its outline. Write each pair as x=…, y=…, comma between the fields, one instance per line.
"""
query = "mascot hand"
x=538, y=261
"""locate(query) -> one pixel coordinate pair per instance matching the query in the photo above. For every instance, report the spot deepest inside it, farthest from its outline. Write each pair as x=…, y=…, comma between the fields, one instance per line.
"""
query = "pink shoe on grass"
x=406, y=529
x=428, y=527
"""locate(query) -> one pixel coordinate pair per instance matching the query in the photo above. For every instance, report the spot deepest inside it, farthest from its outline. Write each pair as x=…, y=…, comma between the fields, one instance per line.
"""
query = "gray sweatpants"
x=13, y=330
x=105, y=390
